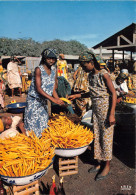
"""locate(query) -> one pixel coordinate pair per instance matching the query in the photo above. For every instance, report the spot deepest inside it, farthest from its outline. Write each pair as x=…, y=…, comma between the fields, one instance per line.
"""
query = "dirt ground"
x=121, y=180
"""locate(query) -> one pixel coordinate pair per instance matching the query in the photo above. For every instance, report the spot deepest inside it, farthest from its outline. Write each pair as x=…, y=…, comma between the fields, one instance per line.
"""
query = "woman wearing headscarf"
x=42, y=88
x=103, y=96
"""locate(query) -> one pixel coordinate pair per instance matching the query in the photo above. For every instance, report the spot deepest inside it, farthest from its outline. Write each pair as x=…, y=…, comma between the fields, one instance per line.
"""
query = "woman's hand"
x=119, y=100
x=21, y=127
x=58, y=101
x=72, y=97
x=112, y=119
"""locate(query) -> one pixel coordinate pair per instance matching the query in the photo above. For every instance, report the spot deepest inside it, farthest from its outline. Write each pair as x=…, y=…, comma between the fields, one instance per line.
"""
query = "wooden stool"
x=32, y=188
x=68, y=166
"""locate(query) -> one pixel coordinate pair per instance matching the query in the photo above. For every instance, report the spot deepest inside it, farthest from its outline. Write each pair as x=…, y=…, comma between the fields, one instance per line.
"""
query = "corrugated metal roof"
x=127, y=40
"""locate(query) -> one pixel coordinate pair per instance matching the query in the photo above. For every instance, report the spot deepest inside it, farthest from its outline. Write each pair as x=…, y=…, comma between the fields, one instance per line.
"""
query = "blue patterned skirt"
x=36, y=115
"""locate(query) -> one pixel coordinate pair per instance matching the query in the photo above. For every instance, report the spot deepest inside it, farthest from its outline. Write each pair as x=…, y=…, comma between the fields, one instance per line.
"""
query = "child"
x=43, y=88
x=11, y=126
x=103, y=96
x=2, y=89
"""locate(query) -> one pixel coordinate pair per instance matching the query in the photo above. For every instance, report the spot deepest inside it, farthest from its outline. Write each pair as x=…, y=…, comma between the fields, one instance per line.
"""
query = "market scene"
x=67, y=121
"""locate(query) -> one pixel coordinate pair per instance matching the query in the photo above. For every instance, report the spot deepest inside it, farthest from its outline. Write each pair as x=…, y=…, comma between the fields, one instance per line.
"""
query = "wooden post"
x=113, y=57
x=131, y=56
x=123, y=56
x=101, y=51
x=118, y=41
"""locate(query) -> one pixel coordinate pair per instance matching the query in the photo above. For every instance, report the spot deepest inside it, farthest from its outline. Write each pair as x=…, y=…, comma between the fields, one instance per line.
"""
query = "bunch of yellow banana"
x=65, y=100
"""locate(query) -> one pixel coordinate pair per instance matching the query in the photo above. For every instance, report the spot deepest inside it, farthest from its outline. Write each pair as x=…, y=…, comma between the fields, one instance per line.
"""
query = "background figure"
x=42, y=88
x=13, y=76
x=81, y=85
x=2, y=95
x=117, y=70
x=3, y=73
x=11, y=126
x=62, y=66
x=63, y=90
x=134, y=67
x=120, y=86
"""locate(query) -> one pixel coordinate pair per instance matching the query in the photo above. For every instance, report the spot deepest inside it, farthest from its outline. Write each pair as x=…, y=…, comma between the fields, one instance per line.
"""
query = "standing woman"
x=13, y=76
x=62, y=66
x=103, y=96
x=42, y=89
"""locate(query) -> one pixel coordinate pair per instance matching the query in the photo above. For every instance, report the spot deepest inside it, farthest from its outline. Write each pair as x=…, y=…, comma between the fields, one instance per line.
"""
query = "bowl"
x=87, y=118
x=71, y=152
x=25, y=179
x=16, y=108
x=132, y=105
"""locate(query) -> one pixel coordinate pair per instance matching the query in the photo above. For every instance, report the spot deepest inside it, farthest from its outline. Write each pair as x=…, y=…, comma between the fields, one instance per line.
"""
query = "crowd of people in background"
x=16, y=80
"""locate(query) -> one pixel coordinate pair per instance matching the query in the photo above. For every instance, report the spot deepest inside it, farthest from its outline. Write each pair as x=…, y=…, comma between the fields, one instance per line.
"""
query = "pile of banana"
x=131, y=100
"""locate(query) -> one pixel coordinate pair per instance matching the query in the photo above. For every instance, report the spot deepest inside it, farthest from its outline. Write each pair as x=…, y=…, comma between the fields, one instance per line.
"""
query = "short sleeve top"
x=97, y=85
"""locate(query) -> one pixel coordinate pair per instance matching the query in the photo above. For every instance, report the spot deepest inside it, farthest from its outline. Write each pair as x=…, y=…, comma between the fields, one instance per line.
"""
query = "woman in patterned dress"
x=103, y=96
x=42, y=89
x=81, y=85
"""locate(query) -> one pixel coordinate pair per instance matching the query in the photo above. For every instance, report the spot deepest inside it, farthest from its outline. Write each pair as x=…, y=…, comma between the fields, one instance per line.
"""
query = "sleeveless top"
x=47, y=83
x=97, y=86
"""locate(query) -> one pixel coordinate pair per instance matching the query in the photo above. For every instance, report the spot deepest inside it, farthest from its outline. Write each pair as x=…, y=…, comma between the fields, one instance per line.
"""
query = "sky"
x=88, y=22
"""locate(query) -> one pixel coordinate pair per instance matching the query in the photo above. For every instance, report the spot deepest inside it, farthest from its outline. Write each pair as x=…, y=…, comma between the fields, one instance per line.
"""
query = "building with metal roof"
x=124, y=40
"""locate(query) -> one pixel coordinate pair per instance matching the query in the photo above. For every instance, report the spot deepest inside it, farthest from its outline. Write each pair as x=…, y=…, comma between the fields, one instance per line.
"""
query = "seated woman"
x=120, y=86
x=11, y=126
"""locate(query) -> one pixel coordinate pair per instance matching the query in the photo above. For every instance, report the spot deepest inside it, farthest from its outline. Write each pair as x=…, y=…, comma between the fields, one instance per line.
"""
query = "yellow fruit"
x=65, y=100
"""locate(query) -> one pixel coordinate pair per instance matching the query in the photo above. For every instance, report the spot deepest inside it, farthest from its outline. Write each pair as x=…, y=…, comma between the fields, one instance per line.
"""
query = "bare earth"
x=121, y=180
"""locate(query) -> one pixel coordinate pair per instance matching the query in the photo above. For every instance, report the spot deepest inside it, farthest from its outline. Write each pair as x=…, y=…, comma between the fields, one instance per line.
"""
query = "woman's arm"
x=75, y=73
x=21, y=127
x=79, y=95
x=114, y=98
x=40, y=90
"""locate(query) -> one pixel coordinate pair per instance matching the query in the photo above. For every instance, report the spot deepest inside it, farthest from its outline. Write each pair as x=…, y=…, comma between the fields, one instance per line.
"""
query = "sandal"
x=93, y=169
x=100, y=177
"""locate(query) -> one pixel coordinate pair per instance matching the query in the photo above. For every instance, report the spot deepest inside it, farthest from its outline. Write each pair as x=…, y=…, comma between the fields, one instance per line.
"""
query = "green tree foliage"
x=29, y=47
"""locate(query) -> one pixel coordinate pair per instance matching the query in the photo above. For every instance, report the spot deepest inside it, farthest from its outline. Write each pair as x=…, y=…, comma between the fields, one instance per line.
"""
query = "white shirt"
x=120, y=88
x=12, y=131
